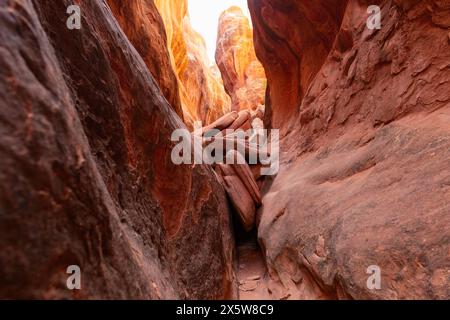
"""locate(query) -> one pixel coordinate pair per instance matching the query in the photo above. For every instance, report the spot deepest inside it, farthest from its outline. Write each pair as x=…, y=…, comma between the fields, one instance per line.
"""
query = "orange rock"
x=243, y=75
x=243, y=117
x=292, y=40
x=242, y=201
x=145, y=29
x=239, y=194
x=244, y=172
x=201, y=89
x=258, y=113
x=364, y=179
x=223, y=122
x=86, y=176
x=241, y=187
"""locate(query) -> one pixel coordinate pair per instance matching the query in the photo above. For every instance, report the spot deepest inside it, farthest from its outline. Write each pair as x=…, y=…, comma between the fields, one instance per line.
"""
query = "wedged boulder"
x=223, y=122
x=245, y=174
x=239, y=195
x=241, y=188
x=258, y=113
x=86, y=174
x=241, y=120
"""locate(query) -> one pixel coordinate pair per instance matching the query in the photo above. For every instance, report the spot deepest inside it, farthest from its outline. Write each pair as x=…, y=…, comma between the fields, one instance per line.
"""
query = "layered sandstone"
x=201, y=89
x=364, y=177
x=243, y=75
x=86, y=173
x=233, y=169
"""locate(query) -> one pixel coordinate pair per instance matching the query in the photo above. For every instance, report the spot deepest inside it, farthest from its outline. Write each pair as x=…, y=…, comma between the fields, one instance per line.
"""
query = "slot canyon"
x=87, y=179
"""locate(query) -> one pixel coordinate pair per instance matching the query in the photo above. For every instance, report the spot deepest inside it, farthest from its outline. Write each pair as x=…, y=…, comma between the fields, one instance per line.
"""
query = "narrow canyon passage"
x=252, y=276
x=240, y=76
x=345, y=102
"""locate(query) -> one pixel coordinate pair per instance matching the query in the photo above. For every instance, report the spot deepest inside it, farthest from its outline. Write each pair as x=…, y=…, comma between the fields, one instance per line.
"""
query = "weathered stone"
x=242, y=73
x=224, y=122
x=243, y=117
x=86, y=173
x=292, y=40
x=141, y=22
x=201, y=88
x=364, y=176
x=242, y=201
x=242, y=170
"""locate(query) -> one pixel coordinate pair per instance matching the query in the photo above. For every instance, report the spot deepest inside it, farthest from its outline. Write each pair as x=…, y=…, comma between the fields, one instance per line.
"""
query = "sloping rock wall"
x=364, y=180
x=86, y=173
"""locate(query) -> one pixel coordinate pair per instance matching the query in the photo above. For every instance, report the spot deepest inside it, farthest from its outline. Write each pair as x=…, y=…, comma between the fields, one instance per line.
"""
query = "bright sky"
x=205, y=18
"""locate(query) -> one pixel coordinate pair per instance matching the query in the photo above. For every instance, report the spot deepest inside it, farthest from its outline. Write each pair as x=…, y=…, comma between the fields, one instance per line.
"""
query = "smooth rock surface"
x=243, y=75
x=86, y=173
x=292, y=39
x=364, y=176
x=202, y=93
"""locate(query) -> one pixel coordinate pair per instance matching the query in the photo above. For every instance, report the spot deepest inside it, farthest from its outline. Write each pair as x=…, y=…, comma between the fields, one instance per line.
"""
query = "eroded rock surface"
x=364, y=177
x=201, y=88
x=86, y=117
x=243, y=75
x=144, y=27
x=292, y=39
x=232, y=150
x=86, y=174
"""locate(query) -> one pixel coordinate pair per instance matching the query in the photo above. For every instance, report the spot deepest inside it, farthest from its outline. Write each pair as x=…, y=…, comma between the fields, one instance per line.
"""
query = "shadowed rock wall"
x=86, y=172
x=364, y=177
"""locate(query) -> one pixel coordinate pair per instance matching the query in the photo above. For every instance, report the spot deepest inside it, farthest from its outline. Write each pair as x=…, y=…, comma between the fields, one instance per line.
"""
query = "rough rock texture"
x=86, y=176
x=242, y=73
x=242, y=190
x=292, y=40
x=144, y=27
x=201, y=89
x=364, y=177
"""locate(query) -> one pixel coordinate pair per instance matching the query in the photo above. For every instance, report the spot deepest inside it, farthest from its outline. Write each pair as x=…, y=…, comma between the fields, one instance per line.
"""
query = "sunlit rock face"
x=86, y=172
x=142, y=24
x=364, y=177
x=201, y=89
x=243, y=75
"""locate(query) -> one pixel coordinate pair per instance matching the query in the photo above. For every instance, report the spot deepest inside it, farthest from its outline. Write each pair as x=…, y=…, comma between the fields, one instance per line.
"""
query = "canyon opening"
x=225, y=150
